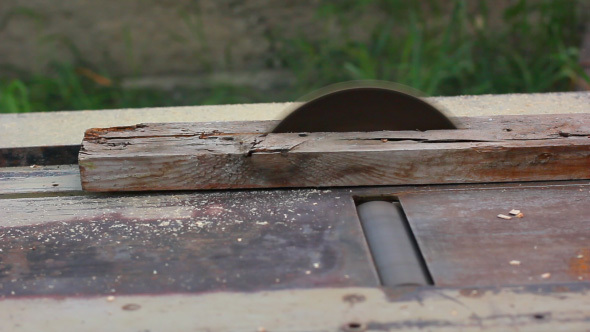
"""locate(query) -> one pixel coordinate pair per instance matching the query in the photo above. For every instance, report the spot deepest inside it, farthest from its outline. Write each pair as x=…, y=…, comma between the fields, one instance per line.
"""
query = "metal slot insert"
x=396, y=255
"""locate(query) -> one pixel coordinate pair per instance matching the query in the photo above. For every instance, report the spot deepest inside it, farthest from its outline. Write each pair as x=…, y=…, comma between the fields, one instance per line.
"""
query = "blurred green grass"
x=418, y=43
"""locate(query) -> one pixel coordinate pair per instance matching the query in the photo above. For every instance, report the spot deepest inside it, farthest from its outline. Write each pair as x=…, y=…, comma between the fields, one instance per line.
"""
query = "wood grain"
x=228, y=155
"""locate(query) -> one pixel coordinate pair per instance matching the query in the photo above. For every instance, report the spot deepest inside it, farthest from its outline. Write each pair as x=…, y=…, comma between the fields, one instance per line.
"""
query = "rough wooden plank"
x=464, y=243
x=196, y=156
x=472, y=128
x=187, y=243
x=39, y=179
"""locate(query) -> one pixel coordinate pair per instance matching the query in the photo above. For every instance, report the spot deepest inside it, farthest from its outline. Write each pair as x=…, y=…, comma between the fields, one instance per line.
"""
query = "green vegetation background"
x=534, y=49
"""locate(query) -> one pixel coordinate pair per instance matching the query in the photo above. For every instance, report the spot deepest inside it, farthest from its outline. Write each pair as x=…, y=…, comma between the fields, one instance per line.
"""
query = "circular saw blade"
x=364, y=106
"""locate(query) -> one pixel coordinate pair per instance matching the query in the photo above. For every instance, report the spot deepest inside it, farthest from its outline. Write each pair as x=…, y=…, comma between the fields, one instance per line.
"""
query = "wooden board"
x=185, y=156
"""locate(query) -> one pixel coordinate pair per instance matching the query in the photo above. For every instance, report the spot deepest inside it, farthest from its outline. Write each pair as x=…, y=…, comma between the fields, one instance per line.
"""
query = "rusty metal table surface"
x=465, y=244
x=59, y=241
x=221, y=261
x=140, y=261
x=192, y=242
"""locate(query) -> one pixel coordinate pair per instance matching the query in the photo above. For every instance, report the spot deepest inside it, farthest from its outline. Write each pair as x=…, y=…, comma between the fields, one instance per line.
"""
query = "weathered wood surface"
x=184, y=156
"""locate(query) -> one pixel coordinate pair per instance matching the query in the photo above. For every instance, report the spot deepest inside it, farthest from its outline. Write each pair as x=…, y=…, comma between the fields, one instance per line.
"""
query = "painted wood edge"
x=535, y=308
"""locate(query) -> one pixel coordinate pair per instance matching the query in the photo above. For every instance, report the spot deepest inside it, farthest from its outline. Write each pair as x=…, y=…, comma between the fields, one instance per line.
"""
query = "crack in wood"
x=566, y=134
x=220, y=158
x=272, y=150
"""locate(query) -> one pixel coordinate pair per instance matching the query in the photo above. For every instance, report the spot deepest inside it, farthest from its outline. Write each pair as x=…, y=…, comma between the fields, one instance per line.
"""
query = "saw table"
x=219, y=226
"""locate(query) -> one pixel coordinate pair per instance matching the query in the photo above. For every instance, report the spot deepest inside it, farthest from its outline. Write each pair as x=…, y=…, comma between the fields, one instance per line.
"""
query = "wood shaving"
x=503, y=216
x=110, y=298
x=514, y=212
x=520, y=215
x=514, y=262
x=546, y=275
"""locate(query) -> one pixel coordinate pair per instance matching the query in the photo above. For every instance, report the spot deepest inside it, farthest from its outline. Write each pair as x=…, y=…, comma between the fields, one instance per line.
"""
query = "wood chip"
x=110, y=298
x=520, y=215
x=546, y=275
x=514, y=262
x=503, y=216
x=514, y=212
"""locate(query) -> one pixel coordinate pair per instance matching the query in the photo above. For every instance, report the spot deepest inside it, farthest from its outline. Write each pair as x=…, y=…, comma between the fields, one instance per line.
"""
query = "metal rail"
x=395, y=252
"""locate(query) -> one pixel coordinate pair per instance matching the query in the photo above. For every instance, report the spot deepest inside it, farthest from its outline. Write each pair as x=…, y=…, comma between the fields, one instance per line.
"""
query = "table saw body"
x=287, y=258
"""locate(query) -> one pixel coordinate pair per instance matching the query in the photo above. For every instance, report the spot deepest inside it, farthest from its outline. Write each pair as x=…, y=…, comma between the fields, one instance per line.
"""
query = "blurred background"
x=87, y=54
